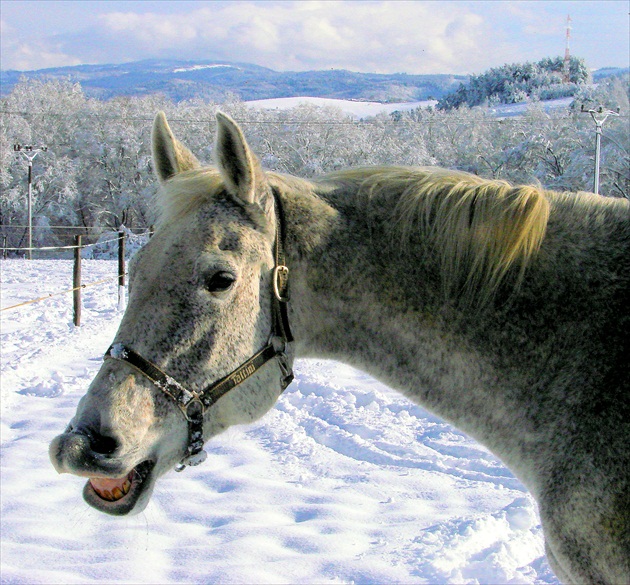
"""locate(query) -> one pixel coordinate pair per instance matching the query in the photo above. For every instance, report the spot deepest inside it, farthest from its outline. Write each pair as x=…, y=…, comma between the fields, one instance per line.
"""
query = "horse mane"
x=480, y=229
x=186, y=192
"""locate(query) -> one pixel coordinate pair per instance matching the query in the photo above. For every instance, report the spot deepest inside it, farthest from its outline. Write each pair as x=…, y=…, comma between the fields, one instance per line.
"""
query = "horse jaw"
x=117, y=441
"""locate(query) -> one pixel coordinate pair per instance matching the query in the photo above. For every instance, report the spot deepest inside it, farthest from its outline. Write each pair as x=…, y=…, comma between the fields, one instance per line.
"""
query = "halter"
x=194, y=404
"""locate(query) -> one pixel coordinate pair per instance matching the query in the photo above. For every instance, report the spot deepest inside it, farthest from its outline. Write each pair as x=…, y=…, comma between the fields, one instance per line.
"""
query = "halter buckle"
x=193, y=411
x=191, y=460
x=280, y=280
x=285, y=370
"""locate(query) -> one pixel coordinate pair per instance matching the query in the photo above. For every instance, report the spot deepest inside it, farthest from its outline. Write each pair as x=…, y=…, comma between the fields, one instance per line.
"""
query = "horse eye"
x=220, y=282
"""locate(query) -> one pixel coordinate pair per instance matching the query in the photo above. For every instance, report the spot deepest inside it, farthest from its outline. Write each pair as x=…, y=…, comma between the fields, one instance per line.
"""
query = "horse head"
x=203, y=299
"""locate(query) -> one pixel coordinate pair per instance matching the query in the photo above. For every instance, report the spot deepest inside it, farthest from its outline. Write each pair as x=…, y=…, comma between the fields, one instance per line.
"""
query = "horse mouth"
x=119, y=496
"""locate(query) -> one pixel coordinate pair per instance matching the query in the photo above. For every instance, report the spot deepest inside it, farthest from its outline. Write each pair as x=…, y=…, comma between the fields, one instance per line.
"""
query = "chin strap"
x=194, y=404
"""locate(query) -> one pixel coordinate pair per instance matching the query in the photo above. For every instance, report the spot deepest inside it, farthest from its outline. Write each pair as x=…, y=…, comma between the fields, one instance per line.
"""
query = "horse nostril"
x=102, y=444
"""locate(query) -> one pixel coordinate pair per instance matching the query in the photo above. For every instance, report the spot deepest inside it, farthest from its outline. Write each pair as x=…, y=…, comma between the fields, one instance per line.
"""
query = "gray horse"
x=505, y=310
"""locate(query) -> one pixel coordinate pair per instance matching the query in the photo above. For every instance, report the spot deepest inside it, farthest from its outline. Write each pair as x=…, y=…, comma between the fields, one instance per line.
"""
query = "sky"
x=458, y=37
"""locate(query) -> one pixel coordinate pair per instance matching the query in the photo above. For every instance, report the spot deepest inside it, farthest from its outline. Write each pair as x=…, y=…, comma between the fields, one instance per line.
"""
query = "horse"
x=502, y=309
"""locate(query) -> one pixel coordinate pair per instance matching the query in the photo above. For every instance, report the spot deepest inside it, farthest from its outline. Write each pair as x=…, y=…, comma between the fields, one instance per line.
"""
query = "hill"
x=214, y=80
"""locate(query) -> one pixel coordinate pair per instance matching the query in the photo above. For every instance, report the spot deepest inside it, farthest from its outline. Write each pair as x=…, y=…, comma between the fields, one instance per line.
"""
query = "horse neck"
x=357, y=299
x=584, y=262
x=358, y=294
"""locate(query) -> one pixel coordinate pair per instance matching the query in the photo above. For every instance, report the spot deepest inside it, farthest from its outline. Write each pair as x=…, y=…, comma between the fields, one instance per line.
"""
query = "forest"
x=96, y=173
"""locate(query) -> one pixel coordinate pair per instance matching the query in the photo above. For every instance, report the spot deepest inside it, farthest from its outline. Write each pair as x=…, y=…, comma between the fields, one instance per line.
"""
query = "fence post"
x=76, y=282
x=121, y=270
x=4, y=247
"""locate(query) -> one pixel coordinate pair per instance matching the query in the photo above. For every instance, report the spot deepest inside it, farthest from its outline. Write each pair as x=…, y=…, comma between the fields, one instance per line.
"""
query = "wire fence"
x=60, y=227
x=49, y=248
x=100, y=243
x=61, y=292
x=348, y=120
x=77, y=285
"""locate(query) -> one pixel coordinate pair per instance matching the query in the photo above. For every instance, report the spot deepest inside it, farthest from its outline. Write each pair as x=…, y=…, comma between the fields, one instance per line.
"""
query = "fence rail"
x=46, y=248
x=61, y=292
x=25, y=249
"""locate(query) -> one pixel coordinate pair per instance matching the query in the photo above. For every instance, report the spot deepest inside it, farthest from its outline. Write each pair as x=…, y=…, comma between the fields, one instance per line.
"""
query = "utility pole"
x=30, y=152
x=599, y=123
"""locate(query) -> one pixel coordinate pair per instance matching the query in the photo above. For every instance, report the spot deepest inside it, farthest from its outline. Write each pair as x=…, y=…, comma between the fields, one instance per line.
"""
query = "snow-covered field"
x=359, y=109
x=345, y=481
x=352, y=108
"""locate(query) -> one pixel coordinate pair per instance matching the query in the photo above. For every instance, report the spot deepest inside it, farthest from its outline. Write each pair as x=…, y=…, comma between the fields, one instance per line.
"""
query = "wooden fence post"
x=76, y=282
x=121, y=270
x=4, y=247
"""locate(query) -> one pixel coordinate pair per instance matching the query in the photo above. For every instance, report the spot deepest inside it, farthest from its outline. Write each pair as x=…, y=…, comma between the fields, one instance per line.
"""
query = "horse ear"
x=170, y=156
x=238, y=165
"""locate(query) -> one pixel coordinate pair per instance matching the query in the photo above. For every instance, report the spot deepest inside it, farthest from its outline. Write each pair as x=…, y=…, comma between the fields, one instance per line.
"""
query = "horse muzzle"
x=114, y=487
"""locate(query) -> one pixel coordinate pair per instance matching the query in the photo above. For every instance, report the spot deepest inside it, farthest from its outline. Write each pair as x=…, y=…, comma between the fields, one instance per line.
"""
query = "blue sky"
x=371, y=36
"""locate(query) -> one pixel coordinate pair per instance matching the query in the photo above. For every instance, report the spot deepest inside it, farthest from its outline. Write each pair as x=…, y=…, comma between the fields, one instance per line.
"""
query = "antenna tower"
x=566, y=69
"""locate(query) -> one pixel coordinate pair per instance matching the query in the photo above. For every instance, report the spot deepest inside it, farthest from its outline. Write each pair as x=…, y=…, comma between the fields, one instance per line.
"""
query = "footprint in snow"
x=505, y=547
x=43, y=390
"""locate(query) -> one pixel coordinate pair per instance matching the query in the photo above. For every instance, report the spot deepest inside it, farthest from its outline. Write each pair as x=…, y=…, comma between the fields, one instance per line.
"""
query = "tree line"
x=519, y=82
x=97, y=173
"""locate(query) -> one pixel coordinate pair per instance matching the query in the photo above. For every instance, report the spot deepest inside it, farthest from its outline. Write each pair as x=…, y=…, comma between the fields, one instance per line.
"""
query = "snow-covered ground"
x=549, y=106
x=366, y=109
x=352, y=108
x=345, y=481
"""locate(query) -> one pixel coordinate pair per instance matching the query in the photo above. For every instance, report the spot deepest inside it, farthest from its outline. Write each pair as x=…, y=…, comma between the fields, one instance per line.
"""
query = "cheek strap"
x=194, y=404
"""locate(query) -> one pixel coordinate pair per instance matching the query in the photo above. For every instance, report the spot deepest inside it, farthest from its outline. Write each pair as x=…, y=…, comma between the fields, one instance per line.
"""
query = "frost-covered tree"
x=513, y=83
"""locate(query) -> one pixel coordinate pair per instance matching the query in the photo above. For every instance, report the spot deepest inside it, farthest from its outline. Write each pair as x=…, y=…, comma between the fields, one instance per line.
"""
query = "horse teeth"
x=117, y=493
x=107, y=495
x=126, y=486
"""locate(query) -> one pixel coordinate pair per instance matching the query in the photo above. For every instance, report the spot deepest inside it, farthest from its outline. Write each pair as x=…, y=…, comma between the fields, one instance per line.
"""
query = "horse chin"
x=129, y=498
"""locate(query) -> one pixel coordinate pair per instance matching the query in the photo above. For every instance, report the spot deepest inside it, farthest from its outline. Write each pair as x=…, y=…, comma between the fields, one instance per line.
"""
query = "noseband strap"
x=194, y=404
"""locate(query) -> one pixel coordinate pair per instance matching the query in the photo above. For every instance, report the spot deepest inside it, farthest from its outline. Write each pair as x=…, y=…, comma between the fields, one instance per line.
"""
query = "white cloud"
x=377, y=36
x=150, y=28
x=31, y=54
x=34, y=56
x=368, y=36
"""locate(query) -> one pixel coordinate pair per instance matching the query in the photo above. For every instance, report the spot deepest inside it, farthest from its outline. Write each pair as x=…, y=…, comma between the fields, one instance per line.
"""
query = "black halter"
x=194, y=404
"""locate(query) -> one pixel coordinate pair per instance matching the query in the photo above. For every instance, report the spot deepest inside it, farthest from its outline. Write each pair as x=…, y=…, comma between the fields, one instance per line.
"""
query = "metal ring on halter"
x=280, y=272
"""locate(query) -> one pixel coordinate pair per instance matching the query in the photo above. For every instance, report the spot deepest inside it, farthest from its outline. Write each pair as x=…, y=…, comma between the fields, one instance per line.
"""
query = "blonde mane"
x=186, y=192
x=480, y=228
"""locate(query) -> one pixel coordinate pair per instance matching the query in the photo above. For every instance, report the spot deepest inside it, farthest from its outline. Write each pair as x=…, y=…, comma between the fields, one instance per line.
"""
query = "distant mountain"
x=604, y=72
x=214, y=80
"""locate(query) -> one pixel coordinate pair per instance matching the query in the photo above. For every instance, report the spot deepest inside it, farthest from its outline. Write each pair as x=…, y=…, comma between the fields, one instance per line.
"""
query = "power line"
x=69, y=227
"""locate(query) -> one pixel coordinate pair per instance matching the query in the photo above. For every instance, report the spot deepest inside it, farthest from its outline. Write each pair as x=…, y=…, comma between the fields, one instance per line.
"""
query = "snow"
x=199, y=67
x=549, y=106
x=349, y=107
x=366, y=109
x=345, y=481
